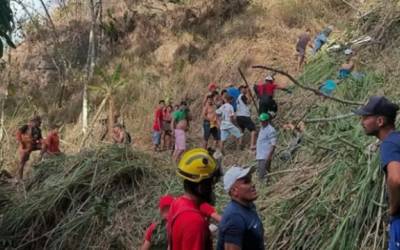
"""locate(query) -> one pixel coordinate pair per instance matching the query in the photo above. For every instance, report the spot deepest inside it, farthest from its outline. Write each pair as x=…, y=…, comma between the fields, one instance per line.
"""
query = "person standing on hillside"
x=188, y=228
x=241, y=227
x=179, y=126
x=227, y=115
x=265, y=91
x=301, y=46
x=234, y=92
x=166, y=127
x=157, y=125
x=243, y=116
x=212, y=88
x=266, y=143
x=378, y=119
x=210, y=123
x=30, y=139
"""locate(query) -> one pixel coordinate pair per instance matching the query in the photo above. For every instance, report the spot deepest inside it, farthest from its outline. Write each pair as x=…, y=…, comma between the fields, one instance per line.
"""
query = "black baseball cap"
x=378, y=105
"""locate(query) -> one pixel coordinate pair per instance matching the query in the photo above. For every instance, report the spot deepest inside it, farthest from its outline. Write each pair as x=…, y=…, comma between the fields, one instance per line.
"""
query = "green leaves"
x=111, y=82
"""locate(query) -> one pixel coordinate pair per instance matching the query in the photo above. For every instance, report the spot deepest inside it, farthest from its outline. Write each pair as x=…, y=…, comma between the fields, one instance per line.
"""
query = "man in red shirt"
x=187, y=226
x=160, y=242
x=157, y=125
x=265, y=91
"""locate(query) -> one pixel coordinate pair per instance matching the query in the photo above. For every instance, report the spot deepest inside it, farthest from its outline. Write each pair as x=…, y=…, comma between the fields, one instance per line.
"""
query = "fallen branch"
x=316, y=91
x=328, y=119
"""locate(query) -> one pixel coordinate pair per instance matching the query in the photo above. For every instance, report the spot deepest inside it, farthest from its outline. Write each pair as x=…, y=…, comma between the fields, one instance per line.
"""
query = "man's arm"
x=230, y=246
x=273, y=143
x=146, y=245
x=393, y=183
x=233, y=233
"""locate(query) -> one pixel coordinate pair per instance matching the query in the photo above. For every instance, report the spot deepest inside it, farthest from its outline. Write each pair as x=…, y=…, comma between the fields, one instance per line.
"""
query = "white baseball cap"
x=269, y=78
x=234, y=173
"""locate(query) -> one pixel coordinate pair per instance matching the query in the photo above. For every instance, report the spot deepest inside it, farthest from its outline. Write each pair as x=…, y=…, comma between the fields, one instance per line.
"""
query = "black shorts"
x=267, y=104
x=208, y=131
x=245, y=122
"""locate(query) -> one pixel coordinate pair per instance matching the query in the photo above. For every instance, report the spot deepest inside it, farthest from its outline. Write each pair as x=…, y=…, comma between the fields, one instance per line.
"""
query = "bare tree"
x=95, y=13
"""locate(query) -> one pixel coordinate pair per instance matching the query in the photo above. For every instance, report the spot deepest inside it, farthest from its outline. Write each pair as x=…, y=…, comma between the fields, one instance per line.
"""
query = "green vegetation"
x=101, y=198
x=339, y=203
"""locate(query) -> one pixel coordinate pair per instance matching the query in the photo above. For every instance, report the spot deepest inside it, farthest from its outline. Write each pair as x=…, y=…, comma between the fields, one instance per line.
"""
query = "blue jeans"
x=394, y=233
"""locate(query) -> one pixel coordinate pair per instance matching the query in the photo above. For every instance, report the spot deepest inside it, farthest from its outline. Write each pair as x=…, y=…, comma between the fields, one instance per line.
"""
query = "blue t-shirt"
x=390, y=149
x=234, y=92
x=241, y=226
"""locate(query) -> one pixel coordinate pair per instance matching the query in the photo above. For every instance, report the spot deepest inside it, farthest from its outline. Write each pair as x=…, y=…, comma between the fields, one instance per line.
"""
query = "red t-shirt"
x=266, y=89
x=188, y=227
x=149, y=232
x=53, y=143
x=158, y=117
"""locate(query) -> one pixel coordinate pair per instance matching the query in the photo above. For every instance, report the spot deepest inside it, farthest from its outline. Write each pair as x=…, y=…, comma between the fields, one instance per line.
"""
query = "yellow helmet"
x=196, y=165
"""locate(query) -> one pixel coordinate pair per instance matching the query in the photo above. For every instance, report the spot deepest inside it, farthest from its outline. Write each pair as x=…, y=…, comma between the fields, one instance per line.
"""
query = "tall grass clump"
x=89, y=200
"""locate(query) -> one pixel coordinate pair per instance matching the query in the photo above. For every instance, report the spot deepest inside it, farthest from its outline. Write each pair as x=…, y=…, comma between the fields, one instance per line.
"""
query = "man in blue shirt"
x=234, y=92
x=240, y=227
x=378, y=118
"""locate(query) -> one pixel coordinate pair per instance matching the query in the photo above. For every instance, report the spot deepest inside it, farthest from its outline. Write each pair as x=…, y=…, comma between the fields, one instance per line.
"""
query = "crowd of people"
x=226, y=114
x=189, y=221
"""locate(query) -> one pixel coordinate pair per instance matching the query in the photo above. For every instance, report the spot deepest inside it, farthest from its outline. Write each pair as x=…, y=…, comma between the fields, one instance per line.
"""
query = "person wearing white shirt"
x=266, y=143
x=243, y=116
x=227, y=115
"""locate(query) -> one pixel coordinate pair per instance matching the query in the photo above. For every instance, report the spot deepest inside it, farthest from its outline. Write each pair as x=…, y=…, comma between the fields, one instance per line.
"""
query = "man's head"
x=238, y=184
x=118, y=127
x=198, y=170
x=228, y=99
x=269, y=79
x=264, y=119
x=378, y=114
x=212, y=87
x=243, y=89
x=36, y=121
x=54, y=126
x=164, y=204
x=161, y=103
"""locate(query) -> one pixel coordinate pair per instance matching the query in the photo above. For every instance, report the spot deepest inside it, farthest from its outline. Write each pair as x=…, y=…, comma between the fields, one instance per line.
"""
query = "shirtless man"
x=210, y=122
x=179, y=126
x=120, y=136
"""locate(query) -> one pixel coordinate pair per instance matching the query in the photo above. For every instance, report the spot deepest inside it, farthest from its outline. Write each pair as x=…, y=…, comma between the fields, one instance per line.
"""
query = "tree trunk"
x=96, y=116
x=91, y=61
